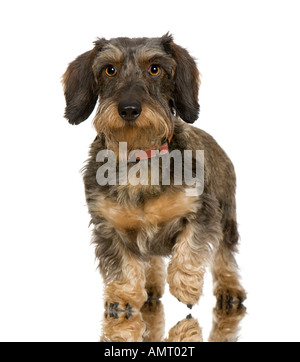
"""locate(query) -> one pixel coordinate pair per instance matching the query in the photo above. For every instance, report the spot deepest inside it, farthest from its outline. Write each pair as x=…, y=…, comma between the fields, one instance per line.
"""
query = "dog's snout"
x=129, y=110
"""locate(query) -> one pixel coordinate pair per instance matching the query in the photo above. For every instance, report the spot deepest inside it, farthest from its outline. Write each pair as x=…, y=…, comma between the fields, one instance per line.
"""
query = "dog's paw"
x=153, y=316
x=153, y=299
x=187, y=330
x=122, y=324
x=228, y=313
x=114, y=310
x=186, y=287
x=230, y=301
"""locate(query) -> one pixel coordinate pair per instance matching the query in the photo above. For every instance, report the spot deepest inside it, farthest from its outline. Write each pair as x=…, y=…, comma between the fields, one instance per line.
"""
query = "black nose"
x=129, y=110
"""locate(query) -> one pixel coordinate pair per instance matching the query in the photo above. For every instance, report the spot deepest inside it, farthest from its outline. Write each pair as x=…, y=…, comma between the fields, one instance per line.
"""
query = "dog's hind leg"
x=152, y=310
x=229, y=293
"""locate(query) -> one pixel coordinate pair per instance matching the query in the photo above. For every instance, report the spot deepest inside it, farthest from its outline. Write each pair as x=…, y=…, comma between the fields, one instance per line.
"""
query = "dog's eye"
x=154, y=70
x=110, y=71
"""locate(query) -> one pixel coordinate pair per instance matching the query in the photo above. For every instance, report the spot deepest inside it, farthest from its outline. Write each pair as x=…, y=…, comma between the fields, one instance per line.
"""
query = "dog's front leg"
x=186, y=269
x=191, y=255
x=124, y=298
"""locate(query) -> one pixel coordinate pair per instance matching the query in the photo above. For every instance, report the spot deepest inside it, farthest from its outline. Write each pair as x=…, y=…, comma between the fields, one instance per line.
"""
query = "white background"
x=249, y=56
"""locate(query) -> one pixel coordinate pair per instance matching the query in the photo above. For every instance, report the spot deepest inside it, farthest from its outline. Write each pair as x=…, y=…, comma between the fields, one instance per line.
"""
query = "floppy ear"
x=80, y=88
x=187, y=81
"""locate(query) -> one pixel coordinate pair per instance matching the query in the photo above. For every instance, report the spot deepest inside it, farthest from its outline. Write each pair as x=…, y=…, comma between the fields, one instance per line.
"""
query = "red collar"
x=152, y=152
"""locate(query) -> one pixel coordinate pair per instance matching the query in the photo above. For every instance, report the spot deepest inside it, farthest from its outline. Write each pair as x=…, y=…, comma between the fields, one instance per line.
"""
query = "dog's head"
x=140, y=83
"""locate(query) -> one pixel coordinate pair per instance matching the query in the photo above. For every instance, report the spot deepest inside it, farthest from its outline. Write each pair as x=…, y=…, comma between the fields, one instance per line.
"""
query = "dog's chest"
x=152, y=214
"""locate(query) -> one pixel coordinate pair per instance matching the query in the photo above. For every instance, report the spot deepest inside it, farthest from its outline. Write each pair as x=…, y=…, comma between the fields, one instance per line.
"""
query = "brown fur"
x=165, y=208
x=153, y=310
x=186, y=269
x=136, y=226
x=130, y=294
x=187, y=330
x=226, y=326
x=144, y=132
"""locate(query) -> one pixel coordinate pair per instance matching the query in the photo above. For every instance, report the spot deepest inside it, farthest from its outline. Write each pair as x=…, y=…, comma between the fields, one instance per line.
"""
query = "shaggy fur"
x=136, y=226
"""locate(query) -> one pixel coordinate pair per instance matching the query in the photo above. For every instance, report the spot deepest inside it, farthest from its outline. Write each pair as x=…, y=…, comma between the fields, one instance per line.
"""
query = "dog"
x=147, y=94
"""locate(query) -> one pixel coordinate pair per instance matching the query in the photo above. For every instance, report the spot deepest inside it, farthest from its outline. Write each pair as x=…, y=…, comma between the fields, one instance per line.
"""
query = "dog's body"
x=146, y=89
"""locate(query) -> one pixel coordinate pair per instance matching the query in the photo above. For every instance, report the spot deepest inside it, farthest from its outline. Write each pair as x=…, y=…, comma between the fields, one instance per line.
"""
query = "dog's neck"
x=136, y=139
